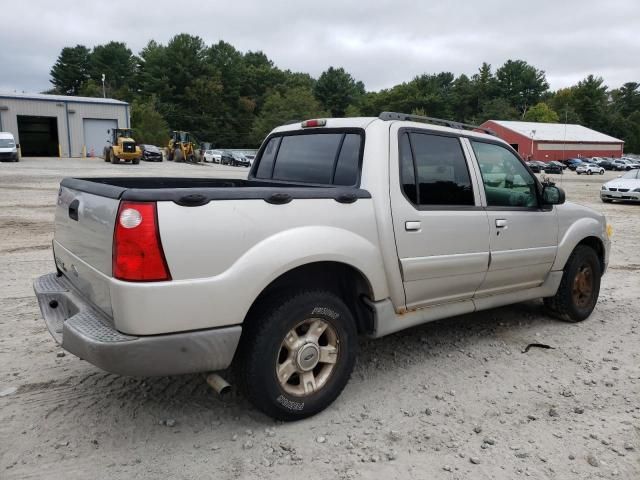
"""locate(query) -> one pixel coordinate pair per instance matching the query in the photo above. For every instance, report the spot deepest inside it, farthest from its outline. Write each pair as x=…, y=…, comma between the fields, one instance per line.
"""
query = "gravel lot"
x=454, y=399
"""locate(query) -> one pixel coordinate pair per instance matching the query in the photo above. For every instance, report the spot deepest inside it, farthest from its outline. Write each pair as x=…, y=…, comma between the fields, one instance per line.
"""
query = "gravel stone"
x=593, y=460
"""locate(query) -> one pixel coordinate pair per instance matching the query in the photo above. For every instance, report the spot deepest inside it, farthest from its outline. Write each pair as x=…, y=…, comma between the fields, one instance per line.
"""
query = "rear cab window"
x=327, y=157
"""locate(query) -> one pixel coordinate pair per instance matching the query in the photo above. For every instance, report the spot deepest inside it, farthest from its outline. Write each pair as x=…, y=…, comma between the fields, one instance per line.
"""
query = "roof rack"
x=388, y=116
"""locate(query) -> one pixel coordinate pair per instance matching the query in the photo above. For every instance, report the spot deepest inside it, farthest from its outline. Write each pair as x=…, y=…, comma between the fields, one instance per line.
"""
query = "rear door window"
x=433, y=170
x=331, y=158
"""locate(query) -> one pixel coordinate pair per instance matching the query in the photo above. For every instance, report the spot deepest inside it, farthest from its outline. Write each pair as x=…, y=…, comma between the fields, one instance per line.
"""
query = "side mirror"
x=552, y=195
x=17, y=145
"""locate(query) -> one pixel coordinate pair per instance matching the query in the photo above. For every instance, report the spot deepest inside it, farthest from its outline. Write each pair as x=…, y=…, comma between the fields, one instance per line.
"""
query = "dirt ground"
x=455, y=399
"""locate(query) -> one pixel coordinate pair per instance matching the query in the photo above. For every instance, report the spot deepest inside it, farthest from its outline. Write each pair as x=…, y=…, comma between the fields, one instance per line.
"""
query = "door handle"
x=73, y=209
x=412, y=226
x=501, y=223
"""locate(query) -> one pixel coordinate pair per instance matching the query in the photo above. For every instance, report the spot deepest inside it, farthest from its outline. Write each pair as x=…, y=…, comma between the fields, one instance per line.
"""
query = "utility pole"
x=104, y=94
x=533, y=134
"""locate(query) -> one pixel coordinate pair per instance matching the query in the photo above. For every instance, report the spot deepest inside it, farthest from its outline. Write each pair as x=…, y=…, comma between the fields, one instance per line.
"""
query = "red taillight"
x=314, y=123
x=137, y=251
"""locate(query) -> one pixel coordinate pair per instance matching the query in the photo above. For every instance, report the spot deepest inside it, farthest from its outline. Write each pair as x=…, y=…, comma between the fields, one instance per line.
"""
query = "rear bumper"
x=82, y=329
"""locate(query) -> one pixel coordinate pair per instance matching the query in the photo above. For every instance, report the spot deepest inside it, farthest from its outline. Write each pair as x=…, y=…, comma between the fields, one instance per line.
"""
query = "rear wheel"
x=105, y=155
x=296, y=358
x=178, y=157
x=601, y=172
x=580, y=286
x=590, y=172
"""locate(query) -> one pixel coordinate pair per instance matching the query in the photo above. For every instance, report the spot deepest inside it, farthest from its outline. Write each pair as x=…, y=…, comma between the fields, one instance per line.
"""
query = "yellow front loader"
x=122, y=146
x=180, y=148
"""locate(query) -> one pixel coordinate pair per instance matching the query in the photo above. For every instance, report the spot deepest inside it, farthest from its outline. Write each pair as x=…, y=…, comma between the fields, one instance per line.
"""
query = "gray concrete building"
x=58, y=125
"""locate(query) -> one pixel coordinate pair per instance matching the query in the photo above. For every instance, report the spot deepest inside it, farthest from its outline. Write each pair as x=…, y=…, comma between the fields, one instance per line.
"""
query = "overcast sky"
x=380, y=42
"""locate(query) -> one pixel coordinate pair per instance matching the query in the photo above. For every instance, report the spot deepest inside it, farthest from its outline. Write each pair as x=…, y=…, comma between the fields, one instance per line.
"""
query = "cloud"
x=381, y=43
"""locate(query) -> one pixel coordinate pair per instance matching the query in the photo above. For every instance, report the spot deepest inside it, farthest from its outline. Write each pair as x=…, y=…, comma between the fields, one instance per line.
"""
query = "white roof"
x=61, y=98
x=556, y=132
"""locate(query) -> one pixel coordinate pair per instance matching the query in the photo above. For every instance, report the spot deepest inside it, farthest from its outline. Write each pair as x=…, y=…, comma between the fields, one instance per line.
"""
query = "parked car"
x=607, y=164
x=151, y=153
x=632, y=162
x=553, y=167
x=589, y=169
x=559, y=163
x=331, y=239
x=625, y=187
x=534, y=166
x=8, y=148
x=620, y=164
x=572, y=163
x=213, y=156
x=239, y=160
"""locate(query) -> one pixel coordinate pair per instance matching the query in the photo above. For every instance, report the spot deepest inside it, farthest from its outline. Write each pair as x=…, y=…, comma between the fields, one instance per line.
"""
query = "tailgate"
x=83, y=242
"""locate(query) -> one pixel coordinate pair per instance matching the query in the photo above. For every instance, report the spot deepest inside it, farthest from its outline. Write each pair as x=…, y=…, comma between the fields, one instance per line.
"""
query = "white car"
x=213, y=156
x=625, y=187
x=589, y=169
x=8, y=147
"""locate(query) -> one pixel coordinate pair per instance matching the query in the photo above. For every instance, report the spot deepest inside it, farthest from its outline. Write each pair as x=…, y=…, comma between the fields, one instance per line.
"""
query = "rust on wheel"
x=582, y=289
x=307, y=357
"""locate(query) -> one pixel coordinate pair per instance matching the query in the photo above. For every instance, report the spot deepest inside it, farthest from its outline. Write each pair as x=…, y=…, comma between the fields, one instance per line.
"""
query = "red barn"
x=555, y=141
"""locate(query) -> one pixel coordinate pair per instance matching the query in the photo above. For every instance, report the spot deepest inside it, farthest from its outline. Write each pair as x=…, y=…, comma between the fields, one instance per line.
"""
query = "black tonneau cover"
x=200, y=191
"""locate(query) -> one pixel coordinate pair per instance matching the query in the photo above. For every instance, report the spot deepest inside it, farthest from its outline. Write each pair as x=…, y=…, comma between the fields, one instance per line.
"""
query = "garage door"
x=95, y=134
x=38, y=136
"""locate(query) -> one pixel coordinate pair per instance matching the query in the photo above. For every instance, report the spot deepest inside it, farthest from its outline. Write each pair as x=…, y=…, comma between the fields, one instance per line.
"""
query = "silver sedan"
x=625, y=187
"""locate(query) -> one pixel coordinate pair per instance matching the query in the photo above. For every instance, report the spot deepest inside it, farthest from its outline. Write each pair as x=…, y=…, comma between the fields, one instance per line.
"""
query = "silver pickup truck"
x=344, y=227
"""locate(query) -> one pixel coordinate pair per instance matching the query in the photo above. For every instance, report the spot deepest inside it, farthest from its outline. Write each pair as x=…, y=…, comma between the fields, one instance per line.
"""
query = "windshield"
x=7, y=143
x=631, y=174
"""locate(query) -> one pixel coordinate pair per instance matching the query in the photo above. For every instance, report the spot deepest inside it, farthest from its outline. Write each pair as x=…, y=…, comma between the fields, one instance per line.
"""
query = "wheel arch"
x=587, y=231
x=342, y=279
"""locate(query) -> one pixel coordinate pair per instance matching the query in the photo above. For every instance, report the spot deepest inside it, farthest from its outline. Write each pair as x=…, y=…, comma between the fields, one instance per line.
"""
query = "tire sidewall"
x=332, y=310
x=583, y=255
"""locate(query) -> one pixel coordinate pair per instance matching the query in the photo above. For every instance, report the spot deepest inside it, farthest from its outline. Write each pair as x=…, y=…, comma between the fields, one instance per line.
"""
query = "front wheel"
x=601, y=172
x=579, y=288
x=297, y=355
x=590, y=172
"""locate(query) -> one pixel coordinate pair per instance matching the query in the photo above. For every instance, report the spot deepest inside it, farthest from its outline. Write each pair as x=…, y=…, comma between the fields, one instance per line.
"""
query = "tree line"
x=233, y=99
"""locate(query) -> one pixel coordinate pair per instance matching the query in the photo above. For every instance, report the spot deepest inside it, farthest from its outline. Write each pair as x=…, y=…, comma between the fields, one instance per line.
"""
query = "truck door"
x=523, y=236
x=441, y=228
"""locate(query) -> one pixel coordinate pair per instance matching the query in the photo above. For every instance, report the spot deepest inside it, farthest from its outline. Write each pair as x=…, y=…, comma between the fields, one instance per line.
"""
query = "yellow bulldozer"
x=180, y=148
x=121, y=146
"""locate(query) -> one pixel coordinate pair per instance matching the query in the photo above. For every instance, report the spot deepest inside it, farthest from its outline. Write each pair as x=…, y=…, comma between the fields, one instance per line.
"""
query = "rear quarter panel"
x=223, y=254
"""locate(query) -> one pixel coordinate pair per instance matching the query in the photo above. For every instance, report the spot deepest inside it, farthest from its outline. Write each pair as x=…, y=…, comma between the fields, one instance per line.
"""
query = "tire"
x=105, y=155
x=263, y=352
x=135, y=161
x=590, y=172
x=606, y=200
x=170, y=156
x=568, y=306
x=578, y=173
x=113, y=158
x=178, y=157
x=601, y=172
